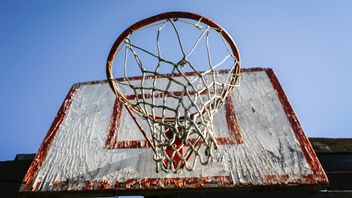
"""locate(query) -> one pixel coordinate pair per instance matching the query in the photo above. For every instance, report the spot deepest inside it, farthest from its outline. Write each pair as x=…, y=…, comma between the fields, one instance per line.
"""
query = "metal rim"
x=153, y=19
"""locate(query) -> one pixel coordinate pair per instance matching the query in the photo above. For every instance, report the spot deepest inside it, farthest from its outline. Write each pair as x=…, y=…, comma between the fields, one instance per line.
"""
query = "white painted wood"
x=269, y=144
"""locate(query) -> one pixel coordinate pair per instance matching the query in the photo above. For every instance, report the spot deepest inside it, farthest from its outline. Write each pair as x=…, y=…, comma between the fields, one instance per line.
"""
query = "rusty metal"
x=156, y=18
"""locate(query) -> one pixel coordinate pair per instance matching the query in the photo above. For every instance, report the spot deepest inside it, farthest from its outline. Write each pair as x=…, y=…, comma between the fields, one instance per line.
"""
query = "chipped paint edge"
x=318, y=176
x=47, y=142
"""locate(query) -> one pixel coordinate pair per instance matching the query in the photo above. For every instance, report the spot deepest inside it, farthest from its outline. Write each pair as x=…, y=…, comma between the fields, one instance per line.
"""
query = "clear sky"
x=46, y=46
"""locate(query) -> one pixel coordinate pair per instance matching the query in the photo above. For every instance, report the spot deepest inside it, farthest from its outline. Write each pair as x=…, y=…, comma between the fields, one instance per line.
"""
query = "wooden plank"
x=332, y=145
x=274, y=151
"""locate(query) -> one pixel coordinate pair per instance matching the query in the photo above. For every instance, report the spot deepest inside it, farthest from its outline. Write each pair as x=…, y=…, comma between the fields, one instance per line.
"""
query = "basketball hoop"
x=179, y=110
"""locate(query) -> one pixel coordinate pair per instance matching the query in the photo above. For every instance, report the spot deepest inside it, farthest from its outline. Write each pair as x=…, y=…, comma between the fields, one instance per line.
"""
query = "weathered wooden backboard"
x=93, y=145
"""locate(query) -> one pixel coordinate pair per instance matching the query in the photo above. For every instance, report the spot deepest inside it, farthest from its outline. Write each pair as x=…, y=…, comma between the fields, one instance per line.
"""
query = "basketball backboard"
x=95, y=146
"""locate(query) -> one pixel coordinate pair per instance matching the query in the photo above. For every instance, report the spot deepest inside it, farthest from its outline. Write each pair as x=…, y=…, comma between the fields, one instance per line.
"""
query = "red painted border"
x=112, y=141
x=47, y=142
x=114, y=124
x=254, y=69
x=319, y=175
x=175, y=183
x=232, y=123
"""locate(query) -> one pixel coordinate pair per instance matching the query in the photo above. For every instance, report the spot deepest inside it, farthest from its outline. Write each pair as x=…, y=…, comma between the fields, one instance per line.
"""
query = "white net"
x=178, y=98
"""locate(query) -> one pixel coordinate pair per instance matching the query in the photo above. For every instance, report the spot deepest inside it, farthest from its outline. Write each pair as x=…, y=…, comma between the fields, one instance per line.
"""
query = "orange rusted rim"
x=159, y=17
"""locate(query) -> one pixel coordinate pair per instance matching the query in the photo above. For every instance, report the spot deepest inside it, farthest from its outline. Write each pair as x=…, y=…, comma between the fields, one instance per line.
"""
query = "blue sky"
x=46, y=46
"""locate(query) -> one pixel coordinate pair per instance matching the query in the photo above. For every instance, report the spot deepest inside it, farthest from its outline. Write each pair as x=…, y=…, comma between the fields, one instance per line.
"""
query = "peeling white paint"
x=269, y=144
